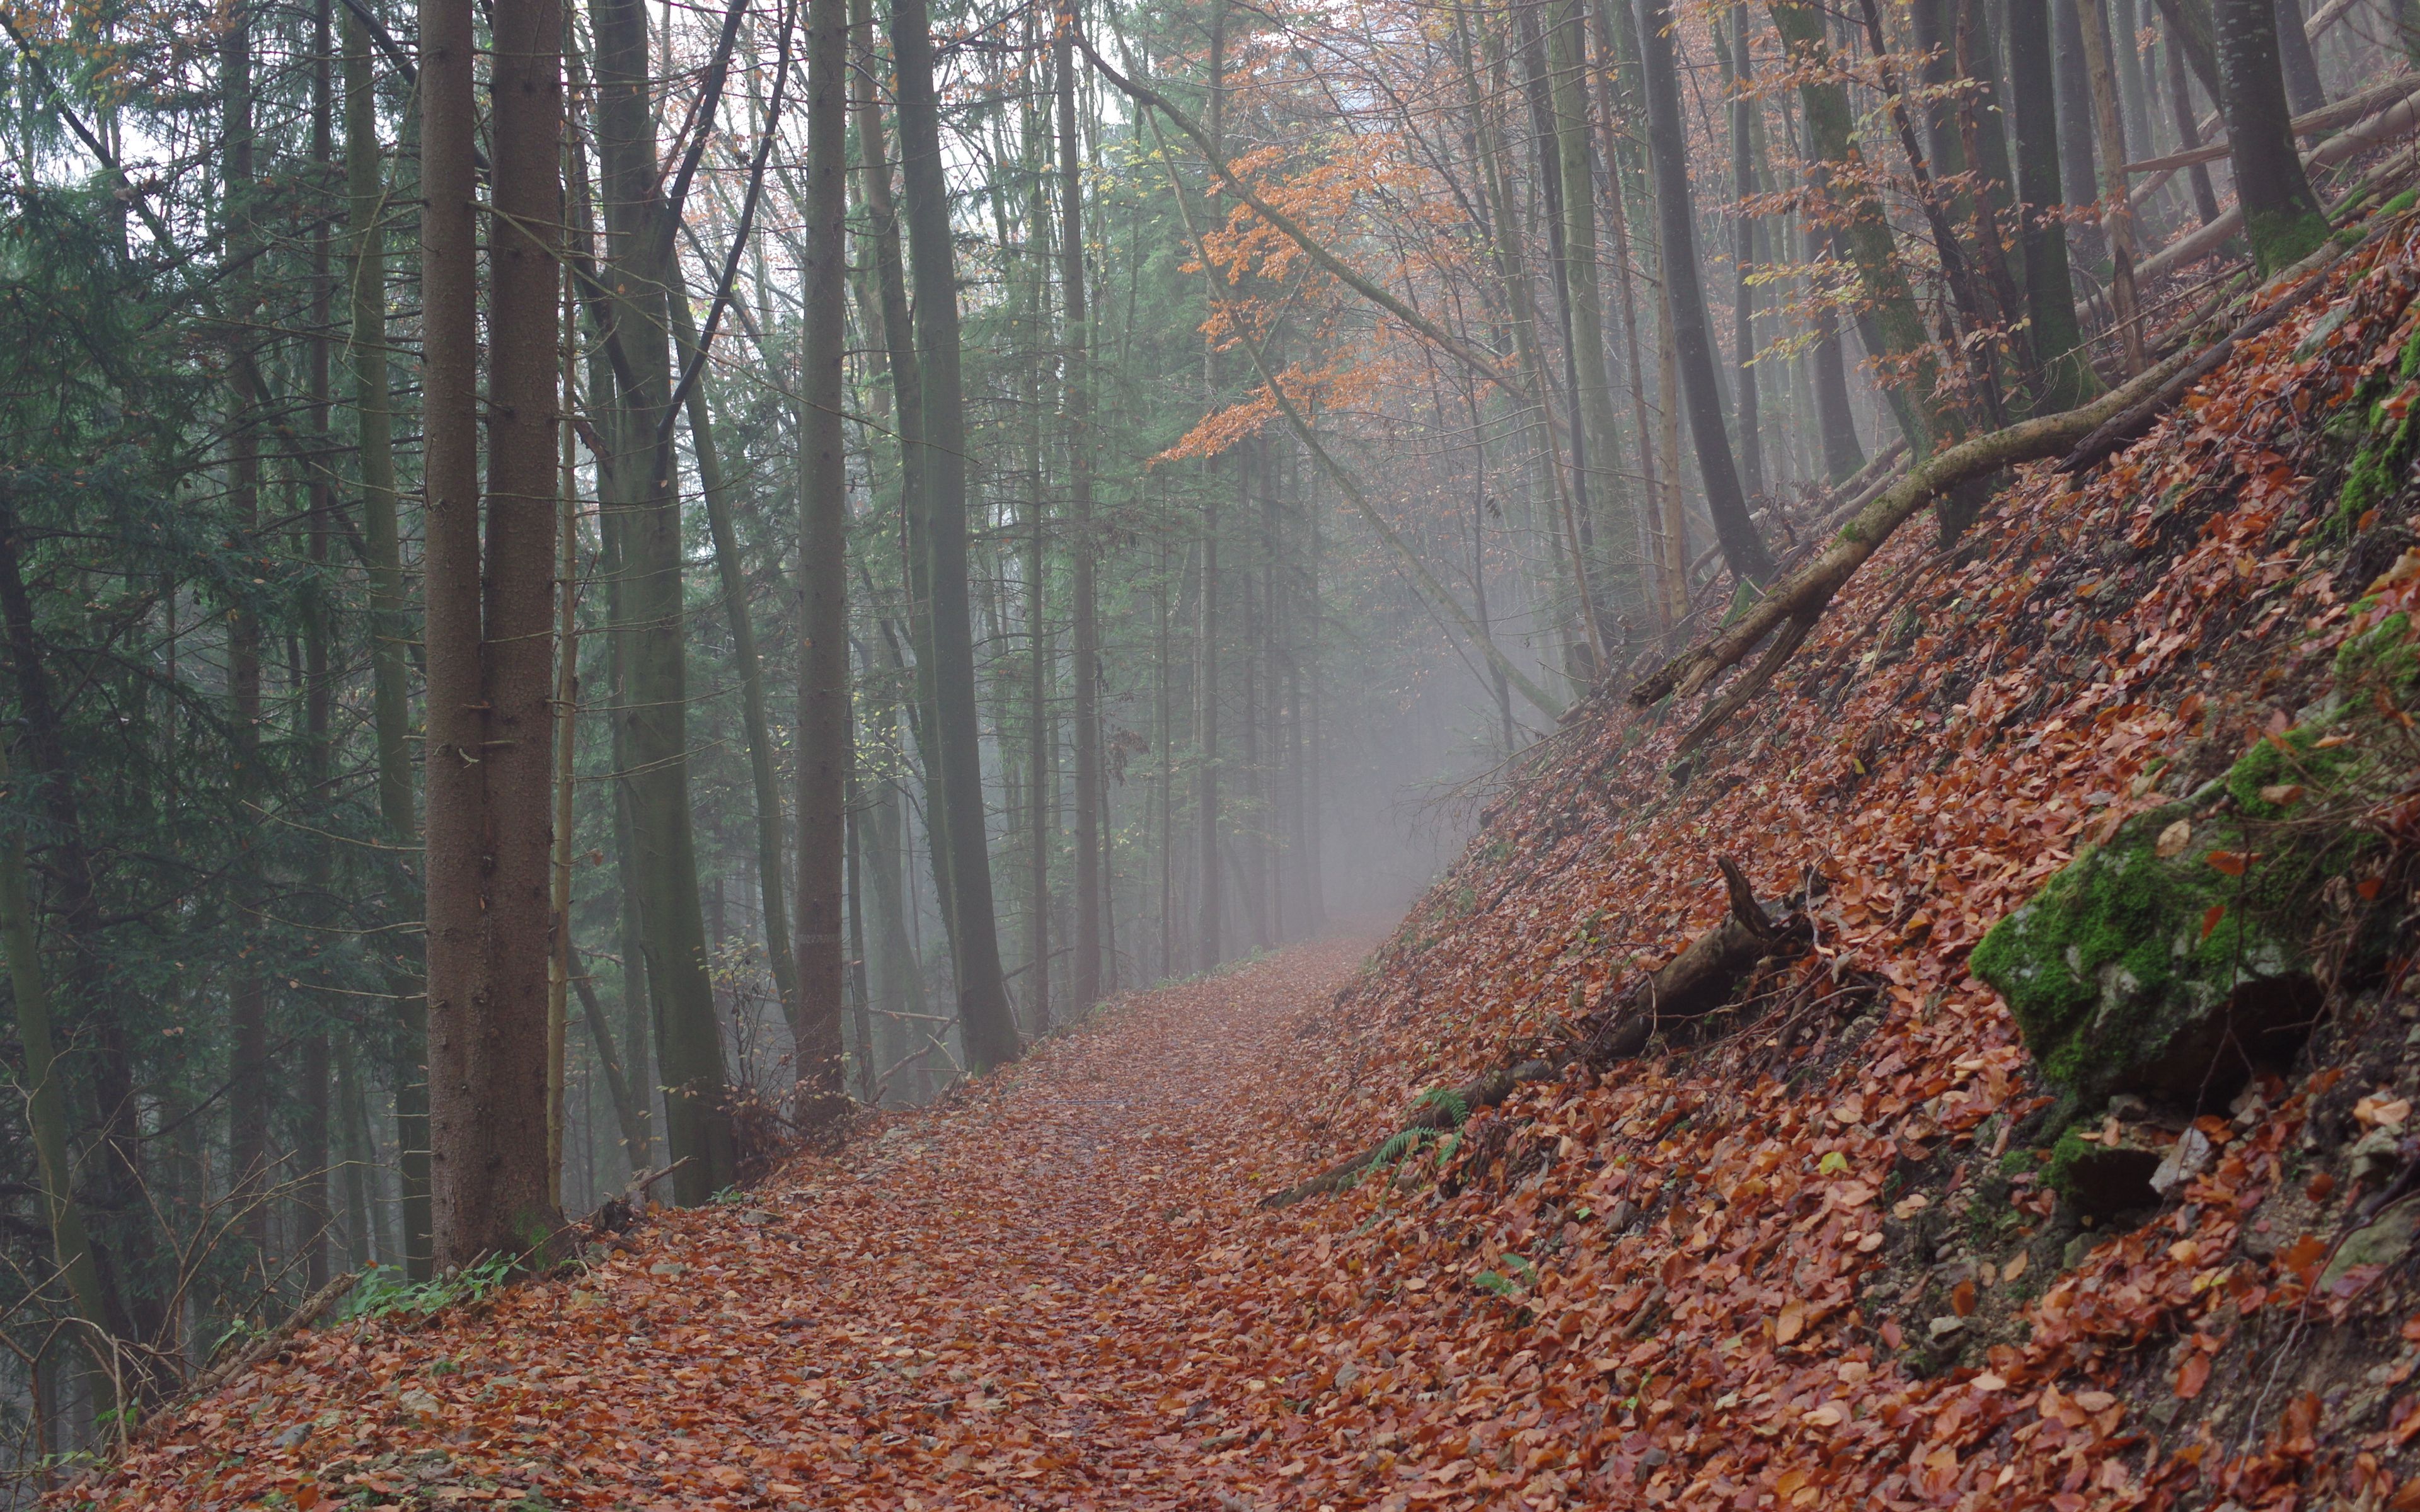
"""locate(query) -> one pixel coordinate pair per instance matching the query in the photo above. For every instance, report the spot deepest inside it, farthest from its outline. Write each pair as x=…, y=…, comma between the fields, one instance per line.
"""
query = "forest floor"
x=992, y=1302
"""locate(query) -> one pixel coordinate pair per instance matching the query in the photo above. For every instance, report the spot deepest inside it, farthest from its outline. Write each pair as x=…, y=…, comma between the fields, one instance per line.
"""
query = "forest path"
x=992, y=1304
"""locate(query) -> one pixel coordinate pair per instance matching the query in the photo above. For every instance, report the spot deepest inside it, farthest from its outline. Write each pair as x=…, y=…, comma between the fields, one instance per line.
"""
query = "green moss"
x=2282, y=241
x=2399, y=203
x=2378, y=468
x=2064, y=1156
x=2110, y=961
x=2381, y=658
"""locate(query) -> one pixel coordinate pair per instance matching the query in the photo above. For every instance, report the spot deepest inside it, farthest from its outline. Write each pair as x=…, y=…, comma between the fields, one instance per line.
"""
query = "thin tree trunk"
x=405, y=1041
x=248, y=1077
x=1076, y=407
x=2188, y=128
x=689, y=1041
x=2305, y=92
x=747, y=662
x=1743, y=229
x=1692, y=342
x=2119, y=223
x=313, y=1215
x=2071, y=88
x=826, y=726
x=46, y=1111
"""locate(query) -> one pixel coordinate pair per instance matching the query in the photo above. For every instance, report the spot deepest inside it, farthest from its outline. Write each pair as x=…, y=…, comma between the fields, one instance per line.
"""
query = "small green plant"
x=385, y=1292
x=730, y=1197
x=1455, y=1105
x=1523, y=1278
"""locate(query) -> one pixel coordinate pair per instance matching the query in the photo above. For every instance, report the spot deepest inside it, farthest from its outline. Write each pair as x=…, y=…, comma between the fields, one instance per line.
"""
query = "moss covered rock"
x=2162, y=962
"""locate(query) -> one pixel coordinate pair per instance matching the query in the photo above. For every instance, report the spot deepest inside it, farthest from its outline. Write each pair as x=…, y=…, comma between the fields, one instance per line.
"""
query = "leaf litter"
x=1808, y=1263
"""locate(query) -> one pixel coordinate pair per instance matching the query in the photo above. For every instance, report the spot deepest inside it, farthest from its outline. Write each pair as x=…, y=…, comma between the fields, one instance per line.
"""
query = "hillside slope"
x=1841, y=1243
x=1818, y=1257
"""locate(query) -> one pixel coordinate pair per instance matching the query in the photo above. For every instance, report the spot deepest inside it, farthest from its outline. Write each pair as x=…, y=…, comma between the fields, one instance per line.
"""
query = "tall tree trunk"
x=2049, y=298
x=2071, y=88
x=826, y=728
x=314, y=1217
x=1668, y=147
x=2188, y=128
x=1608, y=510
x=489, y=632
x=985, y=1022
x=689, y=1040
x=908, y=388
x=1076, y=407
x=1828, y=373
x=405, y=1041
x=248, y=1077
x=46, y=1110
x=1743, y=227
x=1206, y=931
x=2282, y=217
x=2110, y=133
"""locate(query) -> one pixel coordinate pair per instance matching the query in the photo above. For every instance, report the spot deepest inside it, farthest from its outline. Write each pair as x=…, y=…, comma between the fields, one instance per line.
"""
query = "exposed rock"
x=2382, y=1241
x=2188, y=1159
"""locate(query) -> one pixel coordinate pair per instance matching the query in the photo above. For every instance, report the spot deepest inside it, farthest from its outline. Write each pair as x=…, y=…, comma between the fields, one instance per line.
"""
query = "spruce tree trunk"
x=2282, y=217
x=985, y=1022
x=46, y=1110
x=689, y=1042
x=1076, y=407
x=405, y=1041
x=2050, y=297
x=489, y=632
x=1668, y=149
x=314, y=1218
x=248, y=1072
x=826, y=727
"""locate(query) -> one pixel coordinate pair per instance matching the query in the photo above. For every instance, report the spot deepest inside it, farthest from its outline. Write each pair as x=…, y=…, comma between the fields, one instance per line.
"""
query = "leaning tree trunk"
x=1667, y=148
x=825, y=726
x=985, y=1022
x=2282, y=217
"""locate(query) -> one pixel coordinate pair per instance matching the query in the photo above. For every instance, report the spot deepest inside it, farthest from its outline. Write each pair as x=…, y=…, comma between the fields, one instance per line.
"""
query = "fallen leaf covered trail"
x=989, y=1305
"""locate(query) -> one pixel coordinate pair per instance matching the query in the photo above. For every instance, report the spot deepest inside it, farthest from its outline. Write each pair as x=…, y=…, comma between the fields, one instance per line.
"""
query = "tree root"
x=1691, y=985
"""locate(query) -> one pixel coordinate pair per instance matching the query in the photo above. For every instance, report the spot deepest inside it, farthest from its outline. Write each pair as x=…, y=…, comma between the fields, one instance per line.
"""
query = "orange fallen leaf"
x=2192, y=1376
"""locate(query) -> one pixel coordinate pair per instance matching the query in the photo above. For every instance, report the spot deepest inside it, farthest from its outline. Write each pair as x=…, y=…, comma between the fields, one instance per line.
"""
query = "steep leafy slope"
x=1817, y=1259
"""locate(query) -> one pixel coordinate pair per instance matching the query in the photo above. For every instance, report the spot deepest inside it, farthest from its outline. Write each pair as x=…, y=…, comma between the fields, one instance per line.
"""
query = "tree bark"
x=1668, y=150
x=826, y=726
x=986, y=1021
x=2049, y=295
x=1744, y=232
x=2282, y=217
x=689, y=1041
x=1076, y=405
x=405, y=1040
x=489, y=635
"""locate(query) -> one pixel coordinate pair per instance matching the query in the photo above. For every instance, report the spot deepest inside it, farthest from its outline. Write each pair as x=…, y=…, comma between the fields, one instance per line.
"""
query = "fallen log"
x=309, y=1312
x=1691, y=985
x=1805, y=593
x=2395, y=122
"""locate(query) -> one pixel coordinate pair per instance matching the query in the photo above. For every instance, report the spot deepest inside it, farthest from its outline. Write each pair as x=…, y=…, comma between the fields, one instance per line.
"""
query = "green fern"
x=1456, y=1106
